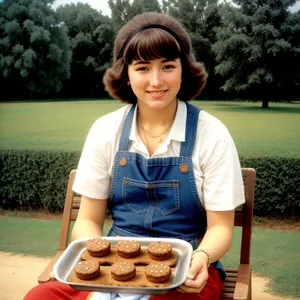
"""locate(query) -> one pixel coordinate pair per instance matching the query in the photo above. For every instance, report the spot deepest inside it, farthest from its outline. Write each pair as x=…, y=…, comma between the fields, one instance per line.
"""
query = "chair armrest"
x=46, y=276
x=243, y=283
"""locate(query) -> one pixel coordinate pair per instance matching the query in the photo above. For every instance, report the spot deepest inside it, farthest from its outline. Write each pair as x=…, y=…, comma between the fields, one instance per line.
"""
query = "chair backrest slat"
x=66, y=221
x=249, y=178
x=238, y=217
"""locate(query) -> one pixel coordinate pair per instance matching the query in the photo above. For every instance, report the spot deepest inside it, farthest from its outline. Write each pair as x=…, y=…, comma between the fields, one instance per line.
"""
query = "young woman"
x=158, y=138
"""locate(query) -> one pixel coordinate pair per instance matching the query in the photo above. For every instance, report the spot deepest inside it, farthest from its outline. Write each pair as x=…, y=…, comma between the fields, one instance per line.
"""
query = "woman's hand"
x=197, y=274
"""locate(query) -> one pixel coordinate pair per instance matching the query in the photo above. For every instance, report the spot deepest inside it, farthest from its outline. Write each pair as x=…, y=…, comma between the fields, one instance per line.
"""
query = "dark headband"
x=147, y=27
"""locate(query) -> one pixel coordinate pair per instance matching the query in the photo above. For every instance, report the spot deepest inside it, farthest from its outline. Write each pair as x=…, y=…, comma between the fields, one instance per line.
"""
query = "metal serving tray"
x=72, y=255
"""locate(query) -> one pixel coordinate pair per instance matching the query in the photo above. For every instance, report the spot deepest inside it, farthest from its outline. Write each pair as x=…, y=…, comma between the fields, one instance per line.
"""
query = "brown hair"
x=170, y=41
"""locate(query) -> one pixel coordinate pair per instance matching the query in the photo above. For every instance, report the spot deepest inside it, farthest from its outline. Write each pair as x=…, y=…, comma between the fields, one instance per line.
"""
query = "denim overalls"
x=157, y=197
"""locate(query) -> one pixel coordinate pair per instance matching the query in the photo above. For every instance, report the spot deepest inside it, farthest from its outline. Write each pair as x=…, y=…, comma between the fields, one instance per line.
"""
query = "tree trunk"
x=265, y=103
x=92, y=92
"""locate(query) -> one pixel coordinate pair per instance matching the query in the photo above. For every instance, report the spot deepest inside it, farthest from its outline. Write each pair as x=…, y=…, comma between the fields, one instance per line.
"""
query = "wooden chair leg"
x=250, y=288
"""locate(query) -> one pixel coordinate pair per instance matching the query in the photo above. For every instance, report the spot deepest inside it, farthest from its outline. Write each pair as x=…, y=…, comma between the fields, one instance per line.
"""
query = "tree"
x=123, y=10
x=90, y=34
x=200, y=18
x=290, y=63
x=253, y=48
x=34, y=47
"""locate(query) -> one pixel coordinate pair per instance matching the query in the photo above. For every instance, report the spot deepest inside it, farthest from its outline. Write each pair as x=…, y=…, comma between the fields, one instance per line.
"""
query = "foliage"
x=200, y=18
x=249, y=48
x=124, y=10
x=34, y=48
x=35, y=179
x=90, y=35
x=277, y=190
x=255, y=50
x=38, y=179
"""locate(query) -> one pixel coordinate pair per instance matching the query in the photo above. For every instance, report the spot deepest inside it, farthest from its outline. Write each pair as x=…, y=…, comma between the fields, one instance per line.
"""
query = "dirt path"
x=19, y=274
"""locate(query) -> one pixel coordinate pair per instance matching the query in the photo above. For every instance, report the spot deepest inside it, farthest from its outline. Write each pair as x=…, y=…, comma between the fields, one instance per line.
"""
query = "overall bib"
x=158, y=197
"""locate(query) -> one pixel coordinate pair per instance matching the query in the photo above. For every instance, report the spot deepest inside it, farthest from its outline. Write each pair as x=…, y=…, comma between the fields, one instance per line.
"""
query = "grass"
x=30, y=236
x=274, y=253
x=64, y=125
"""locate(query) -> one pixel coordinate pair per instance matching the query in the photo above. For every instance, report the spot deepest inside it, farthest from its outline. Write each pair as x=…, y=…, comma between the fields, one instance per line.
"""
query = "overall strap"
x=187, y=147
x=124, y=139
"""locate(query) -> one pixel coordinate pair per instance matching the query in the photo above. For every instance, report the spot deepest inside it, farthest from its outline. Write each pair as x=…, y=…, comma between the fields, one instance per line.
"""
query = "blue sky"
x=103, y=4
x=97, y=4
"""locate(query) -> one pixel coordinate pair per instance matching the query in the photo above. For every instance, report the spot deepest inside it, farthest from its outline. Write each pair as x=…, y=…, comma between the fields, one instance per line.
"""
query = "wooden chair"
x=238, y=284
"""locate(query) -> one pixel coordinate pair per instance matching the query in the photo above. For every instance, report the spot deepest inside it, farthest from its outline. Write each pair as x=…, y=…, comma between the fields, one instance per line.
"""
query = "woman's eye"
x=142, y=69
x=168, y=67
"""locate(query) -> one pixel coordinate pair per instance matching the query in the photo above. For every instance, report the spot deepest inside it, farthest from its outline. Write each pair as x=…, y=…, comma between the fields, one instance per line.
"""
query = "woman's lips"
x=156, y=94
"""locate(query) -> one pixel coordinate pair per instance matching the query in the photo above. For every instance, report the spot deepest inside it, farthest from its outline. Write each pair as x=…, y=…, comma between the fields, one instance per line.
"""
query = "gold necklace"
x=145, y=135
x=158, y=137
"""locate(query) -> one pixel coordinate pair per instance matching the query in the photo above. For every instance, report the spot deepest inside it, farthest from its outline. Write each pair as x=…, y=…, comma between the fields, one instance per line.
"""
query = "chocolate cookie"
x=87, y=270
x=159, y=250
x=128, y=249
x=98, y=247
x=158, y=272
x=123, y=271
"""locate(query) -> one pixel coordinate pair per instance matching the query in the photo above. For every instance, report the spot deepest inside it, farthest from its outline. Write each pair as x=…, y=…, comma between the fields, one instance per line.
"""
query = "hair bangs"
x=152, y=44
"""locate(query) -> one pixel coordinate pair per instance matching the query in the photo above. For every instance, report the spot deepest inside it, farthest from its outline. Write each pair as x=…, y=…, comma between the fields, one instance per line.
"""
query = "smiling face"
x=155, y=82
x=148, y=37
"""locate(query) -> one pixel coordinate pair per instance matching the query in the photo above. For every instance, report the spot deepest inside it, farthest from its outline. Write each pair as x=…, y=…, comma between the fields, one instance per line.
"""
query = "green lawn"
x=275, y=253
x=30, y=236
x=64, y=125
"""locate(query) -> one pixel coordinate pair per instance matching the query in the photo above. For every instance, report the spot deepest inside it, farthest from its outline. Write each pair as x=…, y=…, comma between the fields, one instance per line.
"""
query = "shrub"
x=38, y=179
x=35, y=179
x=277, y=189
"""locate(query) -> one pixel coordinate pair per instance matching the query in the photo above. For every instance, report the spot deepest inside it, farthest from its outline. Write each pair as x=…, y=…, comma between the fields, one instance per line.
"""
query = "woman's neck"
x=155, y=130
x=152, y=118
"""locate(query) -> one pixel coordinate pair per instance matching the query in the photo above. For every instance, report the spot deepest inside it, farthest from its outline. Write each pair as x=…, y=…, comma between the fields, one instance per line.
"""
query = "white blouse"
x=216, y=164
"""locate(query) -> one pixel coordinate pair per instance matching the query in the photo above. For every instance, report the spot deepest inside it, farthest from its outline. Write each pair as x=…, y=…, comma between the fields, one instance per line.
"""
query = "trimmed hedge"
x=277, y=189
x=35, y=179
x=38, y=179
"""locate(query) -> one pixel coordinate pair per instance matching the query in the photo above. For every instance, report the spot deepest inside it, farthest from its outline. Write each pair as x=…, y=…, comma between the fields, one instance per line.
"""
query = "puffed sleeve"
x=92, y=176
x=223, y=187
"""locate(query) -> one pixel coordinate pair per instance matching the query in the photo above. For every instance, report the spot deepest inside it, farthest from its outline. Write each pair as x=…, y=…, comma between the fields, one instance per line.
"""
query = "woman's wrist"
x=206, y=254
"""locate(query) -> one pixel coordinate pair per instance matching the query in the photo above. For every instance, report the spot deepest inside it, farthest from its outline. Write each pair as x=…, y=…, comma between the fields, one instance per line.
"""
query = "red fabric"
x=56, y=290
x=211, y=291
